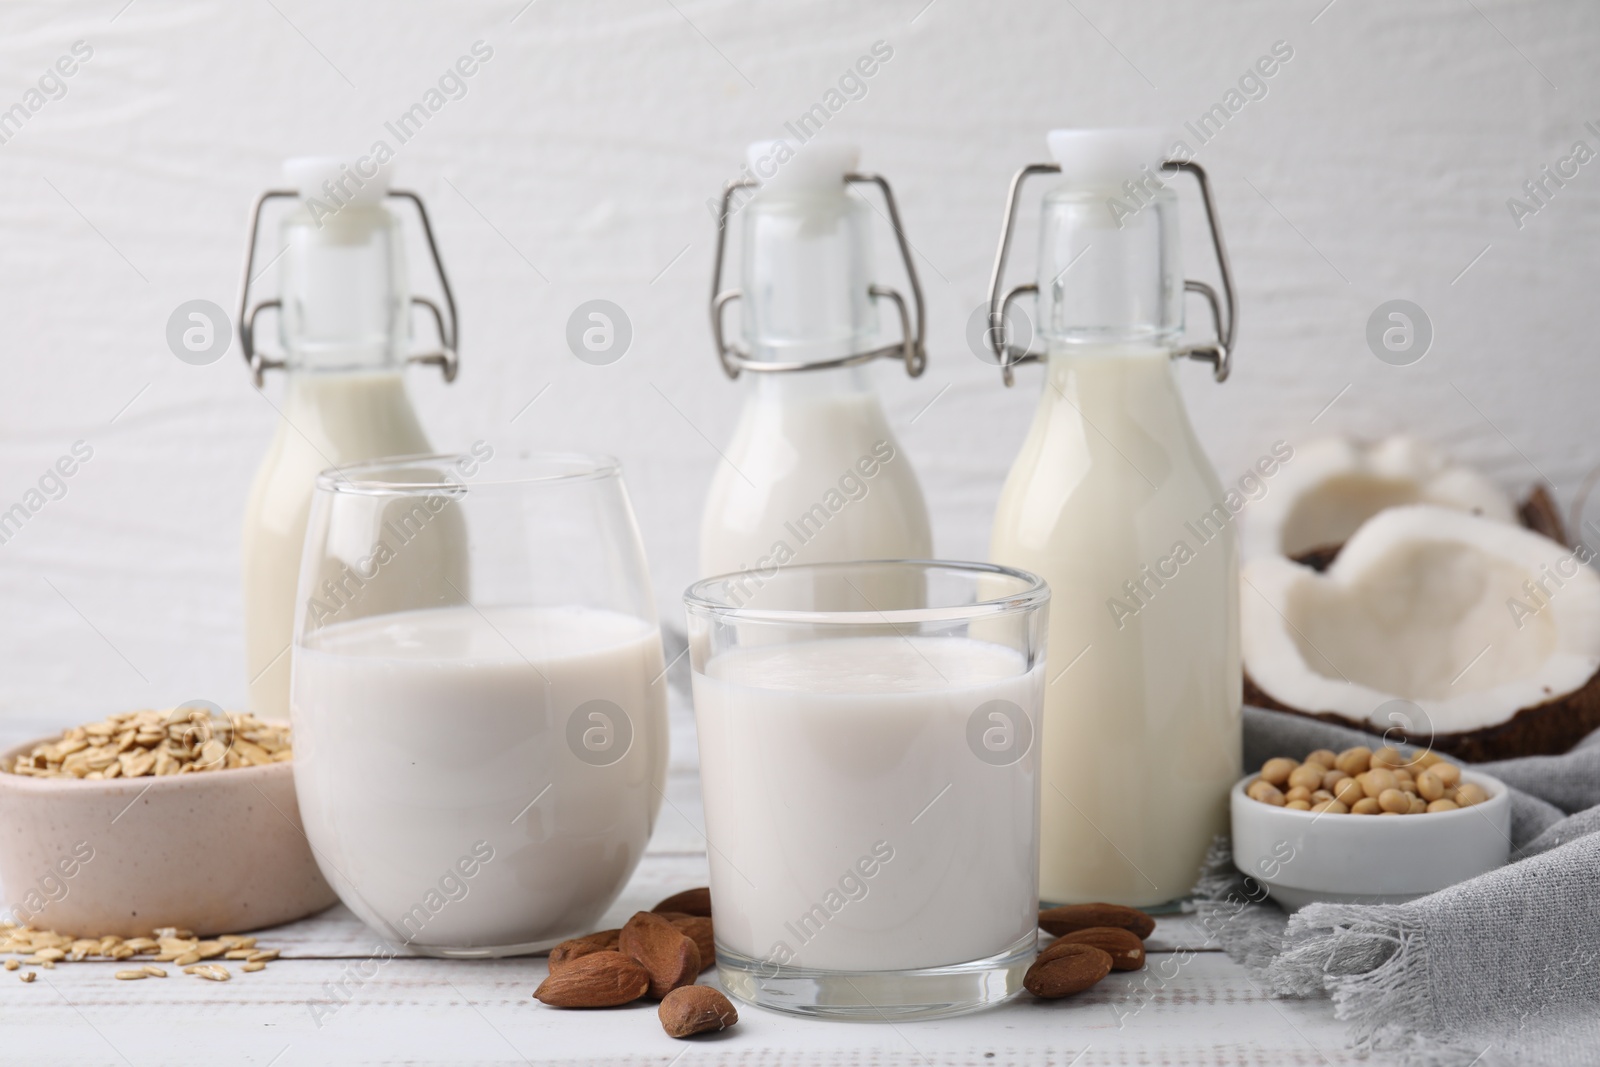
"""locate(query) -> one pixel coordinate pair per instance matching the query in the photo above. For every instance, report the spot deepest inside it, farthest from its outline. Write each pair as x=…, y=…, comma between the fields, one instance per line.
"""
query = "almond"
x=1123, y=946
x=695, y=1009
x=699, y=928
x=576, y=947
x=689, y=902
x=669, y=955
x=606, y=939
x=1074, y=969
x=597, y=980
x=1069, y=917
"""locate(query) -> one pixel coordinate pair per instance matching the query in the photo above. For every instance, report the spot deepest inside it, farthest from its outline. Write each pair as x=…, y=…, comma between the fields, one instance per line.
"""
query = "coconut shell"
x=1547, y=729
x=1540, y=514
x=1318, y=559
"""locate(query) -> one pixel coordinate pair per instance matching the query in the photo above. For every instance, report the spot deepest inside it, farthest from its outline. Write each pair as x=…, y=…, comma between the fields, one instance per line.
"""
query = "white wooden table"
x=1196, y=1009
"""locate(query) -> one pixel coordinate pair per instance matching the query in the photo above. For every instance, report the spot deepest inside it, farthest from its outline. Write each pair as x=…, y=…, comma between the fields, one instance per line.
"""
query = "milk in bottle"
x=344, y=326
x=1114, y=503
x=813, y=473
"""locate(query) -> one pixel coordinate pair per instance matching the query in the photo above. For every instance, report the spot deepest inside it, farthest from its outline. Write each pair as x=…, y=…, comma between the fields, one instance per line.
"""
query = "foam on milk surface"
x=502, y=635
x=884, y=665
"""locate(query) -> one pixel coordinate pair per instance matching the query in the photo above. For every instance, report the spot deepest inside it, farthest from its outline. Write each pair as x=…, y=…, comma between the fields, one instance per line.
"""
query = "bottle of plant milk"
x=1113, y=502
x=814, y=473
x=343, y=312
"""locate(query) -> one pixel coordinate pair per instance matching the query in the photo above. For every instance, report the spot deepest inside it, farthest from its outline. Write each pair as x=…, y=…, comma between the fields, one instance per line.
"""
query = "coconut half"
x=1333, y=485
x=1438, y=627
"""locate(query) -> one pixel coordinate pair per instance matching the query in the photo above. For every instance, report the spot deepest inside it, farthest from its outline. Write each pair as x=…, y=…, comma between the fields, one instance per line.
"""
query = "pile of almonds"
x=134, y=744
x=46, y=948
x=1359, y=781
x=657, y=954
x=1091, y=941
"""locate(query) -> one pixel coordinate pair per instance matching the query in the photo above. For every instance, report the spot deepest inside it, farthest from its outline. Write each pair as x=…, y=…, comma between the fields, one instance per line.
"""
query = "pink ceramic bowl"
x=217, y=852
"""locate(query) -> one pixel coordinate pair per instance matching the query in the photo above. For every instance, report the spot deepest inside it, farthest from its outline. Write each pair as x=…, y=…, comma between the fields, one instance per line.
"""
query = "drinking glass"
x=869, y=761
x=477, y=696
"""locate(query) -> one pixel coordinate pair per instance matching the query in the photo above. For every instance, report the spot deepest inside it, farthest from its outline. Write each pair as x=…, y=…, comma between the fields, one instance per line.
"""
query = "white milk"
x=430, y=739
x=813, y=475
x=329, y=419
x=1141, y=734
x=824, y=760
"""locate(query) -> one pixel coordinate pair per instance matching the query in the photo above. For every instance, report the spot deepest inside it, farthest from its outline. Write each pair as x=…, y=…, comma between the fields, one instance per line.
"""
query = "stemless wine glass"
x=477, y=696
x=870, y=769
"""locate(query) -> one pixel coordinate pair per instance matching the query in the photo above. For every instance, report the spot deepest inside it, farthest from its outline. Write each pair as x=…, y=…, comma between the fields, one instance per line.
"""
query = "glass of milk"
x=870, y=765
x=478, y=697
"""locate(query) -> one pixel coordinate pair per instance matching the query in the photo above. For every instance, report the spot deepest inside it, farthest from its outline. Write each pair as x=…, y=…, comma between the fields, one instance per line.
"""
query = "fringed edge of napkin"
x=1224, y=900
x=1371, y=960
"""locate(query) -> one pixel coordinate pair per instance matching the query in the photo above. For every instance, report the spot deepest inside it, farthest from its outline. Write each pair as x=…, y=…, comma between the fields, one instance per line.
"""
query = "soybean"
x=1360, y=781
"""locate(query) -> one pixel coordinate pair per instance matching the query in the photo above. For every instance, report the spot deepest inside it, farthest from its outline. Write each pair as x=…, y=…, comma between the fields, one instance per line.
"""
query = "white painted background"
x=1378, y=166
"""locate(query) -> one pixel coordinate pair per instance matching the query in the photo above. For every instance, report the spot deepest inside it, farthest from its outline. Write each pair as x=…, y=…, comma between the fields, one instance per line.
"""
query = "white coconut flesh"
x=1323, y=494
x=1470, y=619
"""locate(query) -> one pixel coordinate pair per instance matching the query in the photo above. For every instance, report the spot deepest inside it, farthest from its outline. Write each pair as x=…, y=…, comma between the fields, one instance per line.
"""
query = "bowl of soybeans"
x=1367, y=826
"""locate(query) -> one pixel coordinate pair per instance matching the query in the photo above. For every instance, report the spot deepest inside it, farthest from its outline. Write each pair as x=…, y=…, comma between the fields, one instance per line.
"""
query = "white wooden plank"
x=414, y=1010
x=337, y=934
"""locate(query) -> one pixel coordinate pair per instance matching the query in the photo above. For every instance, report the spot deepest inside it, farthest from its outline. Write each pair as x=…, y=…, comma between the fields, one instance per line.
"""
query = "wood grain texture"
x=411, y=1010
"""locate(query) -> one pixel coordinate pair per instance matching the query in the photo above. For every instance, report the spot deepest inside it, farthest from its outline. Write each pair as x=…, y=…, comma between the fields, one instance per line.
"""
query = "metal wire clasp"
x=1219, y=353
x=448, y=326
x=910, y=347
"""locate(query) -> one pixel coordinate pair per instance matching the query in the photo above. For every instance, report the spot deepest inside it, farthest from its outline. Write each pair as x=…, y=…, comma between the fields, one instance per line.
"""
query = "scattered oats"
x=45, y=948
x=254, y=965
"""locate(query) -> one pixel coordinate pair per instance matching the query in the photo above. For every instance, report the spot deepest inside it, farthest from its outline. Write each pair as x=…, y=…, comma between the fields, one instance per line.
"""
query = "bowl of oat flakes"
x=182, y=818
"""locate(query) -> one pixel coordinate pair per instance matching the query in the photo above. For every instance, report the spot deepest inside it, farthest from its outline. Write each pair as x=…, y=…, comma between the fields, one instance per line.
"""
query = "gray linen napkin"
x=1501, y=969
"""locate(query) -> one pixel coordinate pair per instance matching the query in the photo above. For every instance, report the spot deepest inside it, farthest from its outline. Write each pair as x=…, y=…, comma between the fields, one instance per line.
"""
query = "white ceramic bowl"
x=218, y=852
x=1303, y=857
